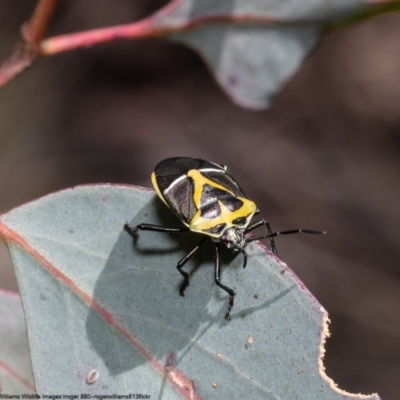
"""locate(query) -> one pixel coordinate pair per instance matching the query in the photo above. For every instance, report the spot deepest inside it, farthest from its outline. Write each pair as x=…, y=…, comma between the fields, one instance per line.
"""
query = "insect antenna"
x=248, y=240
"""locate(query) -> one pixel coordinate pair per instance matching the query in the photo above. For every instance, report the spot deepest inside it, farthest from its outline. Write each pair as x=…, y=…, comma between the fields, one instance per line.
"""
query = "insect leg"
x=244, y=258
x=132, y=230
x=256, y=224
x=180, y=265
x=217, y=278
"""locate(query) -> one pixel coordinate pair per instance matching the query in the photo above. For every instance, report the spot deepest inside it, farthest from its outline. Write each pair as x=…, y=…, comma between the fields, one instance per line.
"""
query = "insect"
x=208, y=200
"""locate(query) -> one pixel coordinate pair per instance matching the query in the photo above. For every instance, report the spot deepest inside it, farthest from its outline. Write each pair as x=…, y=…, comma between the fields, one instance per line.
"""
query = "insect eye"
x=239, y=221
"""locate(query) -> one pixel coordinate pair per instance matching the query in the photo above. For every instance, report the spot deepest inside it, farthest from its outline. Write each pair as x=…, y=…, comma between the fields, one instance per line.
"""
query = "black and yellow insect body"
x=207, y=200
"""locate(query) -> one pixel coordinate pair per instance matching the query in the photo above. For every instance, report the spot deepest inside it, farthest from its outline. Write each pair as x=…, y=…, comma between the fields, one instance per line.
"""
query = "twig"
x=26, y=51
x=149, y=27
x=33, y=45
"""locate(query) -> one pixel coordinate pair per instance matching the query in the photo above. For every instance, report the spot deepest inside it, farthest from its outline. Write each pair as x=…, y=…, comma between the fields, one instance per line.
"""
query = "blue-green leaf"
x=101, y=308
x=253, y=47
x=15, y=364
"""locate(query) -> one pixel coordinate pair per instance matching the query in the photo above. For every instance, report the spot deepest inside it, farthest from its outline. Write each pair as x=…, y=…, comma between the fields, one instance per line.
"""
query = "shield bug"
x=208, y=200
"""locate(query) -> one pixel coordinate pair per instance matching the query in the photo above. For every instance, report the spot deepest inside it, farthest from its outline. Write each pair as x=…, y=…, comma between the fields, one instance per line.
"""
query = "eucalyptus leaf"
x=15, y=364
x=252, y=46
x=104, y=308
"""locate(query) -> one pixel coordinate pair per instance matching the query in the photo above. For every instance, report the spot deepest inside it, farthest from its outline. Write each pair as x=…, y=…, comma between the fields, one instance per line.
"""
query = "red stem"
x=26, y=51
x=148, y=27
x=33, y=32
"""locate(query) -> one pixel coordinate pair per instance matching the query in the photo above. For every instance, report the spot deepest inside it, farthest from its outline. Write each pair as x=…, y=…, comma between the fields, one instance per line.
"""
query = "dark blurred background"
x=324, y=156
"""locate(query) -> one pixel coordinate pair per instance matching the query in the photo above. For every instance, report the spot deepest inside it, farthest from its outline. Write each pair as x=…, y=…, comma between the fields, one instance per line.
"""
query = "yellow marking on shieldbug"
x=200, y=224
x=199, y=180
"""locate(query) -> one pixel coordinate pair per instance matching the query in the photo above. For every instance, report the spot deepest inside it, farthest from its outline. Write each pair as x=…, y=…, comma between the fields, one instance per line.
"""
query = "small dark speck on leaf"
x=246, y=347
x=233, y=80
x=170, y=359
x=282, y=272
x=256, y=296
x=71, y=231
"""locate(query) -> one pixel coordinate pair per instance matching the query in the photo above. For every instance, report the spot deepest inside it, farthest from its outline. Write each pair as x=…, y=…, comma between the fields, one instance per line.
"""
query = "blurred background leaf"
x=254, y=46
